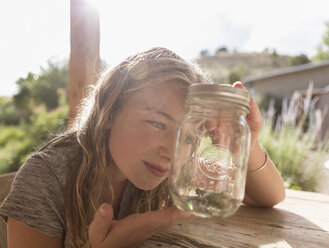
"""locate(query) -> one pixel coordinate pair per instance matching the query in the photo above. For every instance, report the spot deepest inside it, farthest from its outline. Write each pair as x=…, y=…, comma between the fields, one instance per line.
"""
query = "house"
x=284, y=83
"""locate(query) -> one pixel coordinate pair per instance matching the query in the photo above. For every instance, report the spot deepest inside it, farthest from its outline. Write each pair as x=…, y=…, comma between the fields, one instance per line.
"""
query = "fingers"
x=238, y=84
x=101, y=224
x=253, y=104
x=254, y=118
x=169, y=216
x=136, y=228
x=156, y=220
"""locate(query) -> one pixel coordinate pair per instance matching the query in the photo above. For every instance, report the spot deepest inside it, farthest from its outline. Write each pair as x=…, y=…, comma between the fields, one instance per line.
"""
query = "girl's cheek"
x=150, y=138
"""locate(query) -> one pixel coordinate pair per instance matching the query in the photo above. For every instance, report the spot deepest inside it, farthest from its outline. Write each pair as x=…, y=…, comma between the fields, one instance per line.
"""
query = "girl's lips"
x=156, y=170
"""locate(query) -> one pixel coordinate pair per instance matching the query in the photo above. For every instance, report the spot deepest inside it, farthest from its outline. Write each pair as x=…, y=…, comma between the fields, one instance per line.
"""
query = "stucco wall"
x=284, y=85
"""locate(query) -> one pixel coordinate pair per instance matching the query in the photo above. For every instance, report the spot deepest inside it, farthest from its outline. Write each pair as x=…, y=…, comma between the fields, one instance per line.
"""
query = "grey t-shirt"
x=36, y=197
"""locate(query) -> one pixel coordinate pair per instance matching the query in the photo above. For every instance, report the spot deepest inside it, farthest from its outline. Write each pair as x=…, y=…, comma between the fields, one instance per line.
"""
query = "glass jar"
x=208, y=175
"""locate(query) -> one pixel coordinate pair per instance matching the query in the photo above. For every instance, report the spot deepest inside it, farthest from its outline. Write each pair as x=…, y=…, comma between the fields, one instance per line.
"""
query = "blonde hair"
x=88, y=176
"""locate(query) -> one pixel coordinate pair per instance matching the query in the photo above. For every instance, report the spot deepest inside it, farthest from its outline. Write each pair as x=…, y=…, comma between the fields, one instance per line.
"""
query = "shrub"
x=295, y=155
x=293, y=145
x=299, y=60
x=10, y=133
x=237, y=72
x=18, y=142
x=8, y=114
x=14, y=154
x=43, y=123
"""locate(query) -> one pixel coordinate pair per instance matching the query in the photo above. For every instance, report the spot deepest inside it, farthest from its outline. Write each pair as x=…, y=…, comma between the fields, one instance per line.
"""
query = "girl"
x=103, y=182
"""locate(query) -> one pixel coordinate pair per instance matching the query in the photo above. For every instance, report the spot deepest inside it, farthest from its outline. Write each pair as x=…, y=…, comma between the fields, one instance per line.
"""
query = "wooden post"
x=84, y=57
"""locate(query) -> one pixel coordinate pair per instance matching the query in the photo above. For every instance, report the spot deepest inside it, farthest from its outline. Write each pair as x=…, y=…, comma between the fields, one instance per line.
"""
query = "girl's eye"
x=157, y=125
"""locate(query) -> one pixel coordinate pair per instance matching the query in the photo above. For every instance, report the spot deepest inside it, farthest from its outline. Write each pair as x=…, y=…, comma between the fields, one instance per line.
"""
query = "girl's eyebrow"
x=159, y=112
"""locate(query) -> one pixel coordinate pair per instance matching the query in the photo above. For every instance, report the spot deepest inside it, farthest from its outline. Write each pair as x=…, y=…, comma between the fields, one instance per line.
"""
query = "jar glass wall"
x=209, y=170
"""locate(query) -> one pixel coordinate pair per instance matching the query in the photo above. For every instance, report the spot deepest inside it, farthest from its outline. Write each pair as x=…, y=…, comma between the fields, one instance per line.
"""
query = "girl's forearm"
x=263, y=187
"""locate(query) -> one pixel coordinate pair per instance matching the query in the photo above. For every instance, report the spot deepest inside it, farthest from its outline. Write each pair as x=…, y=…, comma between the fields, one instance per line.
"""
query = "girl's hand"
x=254, y=118
x=264, y=188
x=130, y=231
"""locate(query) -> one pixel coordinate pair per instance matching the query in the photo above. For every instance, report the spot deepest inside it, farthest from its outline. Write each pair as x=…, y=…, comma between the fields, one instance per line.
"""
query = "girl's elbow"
x=282, y=196
x=278, y=198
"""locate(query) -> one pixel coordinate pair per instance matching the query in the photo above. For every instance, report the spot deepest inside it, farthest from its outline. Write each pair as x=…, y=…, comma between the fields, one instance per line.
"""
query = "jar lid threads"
x=218, y=91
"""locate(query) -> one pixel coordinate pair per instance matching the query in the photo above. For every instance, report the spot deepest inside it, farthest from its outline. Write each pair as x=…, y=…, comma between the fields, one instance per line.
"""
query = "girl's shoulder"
x=36, y=197
x=58, y=159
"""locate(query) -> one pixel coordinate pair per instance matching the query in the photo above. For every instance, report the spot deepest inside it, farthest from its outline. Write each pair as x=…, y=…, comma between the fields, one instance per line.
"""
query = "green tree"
x=18, y=142
x=299, y=60
x=233, y=77
x=222, y=49
x=42, y=88
x=8, y=113
x=323, y=48
x=238, y=72
x=204, y=52
x=23, y=99
x=274, y=53
x=46, y=85
x=37, y=110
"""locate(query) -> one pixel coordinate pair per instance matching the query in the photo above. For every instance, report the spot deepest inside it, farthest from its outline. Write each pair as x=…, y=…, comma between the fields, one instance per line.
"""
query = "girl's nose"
x=165, y=153
x=166, y=149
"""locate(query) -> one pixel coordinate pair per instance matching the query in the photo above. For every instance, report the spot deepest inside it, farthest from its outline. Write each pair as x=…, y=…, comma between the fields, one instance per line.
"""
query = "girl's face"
x=143, y=134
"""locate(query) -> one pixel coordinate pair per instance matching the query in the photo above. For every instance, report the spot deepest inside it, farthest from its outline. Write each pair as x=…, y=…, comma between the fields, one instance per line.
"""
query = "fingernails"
x=104, y=210
x=238, y=84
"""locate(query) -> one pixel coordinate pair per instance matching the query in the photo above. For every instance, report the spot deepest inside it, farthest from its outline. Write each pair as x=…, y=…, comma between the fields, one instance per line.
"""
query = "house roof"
x=284, y=71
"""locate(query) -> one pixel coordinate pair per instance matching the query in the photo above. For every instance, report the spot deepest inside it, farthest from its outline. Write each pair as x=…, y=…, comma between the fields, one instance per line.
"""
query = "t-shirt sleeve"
x=36, y=198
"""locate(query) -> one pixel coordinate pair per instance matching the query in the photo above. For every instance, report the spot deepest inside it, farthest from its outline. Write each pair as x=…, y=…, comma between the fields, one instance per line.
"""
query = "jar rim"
x=221, y=91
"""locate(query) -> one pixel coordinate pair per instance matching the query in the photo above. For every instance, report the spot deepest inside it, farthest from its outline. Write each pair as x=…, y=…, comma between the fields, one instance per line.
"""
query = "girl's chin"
x=149, y=186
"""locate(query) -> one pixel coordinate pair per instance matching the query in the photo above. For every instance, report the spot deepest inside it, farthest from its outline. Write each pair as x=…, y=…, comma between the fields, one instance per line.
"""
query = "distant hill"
x=224, y=66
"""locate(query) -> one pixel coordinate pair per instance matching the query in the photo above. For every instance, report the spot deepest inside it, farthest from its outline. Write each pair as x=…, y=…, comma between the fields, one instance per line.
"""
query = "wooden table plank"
x=302, y=220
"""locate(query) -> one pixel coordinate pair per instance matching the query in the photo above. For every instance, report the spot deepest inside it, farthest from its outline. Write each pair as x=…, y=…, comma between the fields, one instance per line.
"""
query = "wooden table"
x=302, y=220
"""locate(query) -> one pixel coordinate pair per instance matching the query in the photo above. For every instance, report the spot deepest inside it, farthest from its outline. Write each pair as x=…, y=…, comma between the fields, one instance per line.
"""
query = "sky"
x=35, y=31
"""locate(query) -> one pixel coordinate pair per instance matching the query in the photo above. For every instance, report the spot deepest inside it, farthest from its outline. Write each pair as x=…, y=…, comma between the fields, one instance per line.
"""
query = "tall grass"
x=292, y=141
